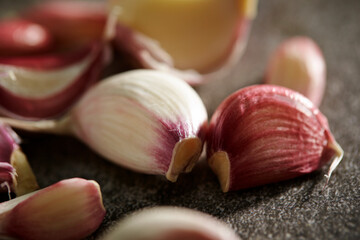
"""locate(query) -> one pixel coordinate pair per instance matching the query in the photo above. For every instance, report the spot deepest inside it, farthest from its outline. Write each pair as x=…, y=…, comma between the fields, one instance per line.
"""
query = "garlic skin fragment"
x=264, y=134
x=36, y=87
x=148, y=121
x=15, y=172
x=69, y=209
x=298, y=64
x=195, y=40
x=162, y=223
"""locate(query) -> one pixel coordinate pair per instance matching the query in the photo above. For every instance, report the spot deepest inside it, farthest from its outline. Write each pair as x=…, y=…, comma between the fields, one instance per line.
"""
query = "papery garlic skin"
x=195, y=40
x=298, y=64
x=264, y=134
x=45, y=86
x=162, y=223
x=137, y=118
x=69, y=209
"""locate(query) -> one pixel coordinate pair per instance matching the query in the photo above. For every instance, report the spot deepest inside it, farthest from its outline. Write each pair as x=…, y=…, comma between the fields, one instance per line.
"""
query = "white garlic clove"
x=175, y=223
x=196, y=40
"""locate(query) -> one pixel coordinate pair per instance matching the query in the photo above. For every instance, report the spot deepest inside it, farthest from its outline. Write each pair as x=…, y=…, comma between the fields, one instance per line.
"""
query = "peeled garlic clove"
x=298, y=63
x=45, y=86
x=145, y=120
x=21, y=37
x=196, y=40
x=162, y=223
x=71, y=22
x=266, y=133
x=15, y=172
x=69, y=209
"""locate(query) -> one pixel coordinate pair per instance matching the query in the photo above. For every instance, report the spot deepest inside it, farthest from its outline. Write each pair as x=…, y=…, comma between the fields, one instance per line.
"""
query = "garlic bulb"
x=197, y=40
x=265, y=133
x=145, y=120
x=175, y=223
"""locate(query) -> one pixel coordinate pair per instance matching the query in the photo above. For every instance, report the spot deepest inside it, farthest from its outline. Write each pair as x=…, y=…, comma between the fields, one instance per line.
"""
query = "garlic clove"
x=15, y=172
x=69, y=209
x=145, y=120
x=181, y=38
x=161, y=223
x=298, y=63
x=264, y=134
x=45, y=86
x=72, y=23
x=21, y=37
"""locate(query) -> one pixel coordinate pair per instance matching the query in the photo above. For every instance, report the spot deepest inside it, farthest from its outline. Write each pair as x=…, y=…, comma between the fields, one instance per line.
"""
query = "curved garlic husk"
x=20, y=37
x=266, y=133
x=298, y=64
x=162, y=223
x=145, y=120
x=15, y=172
x=71, y=22
x=195, y=40
x=69, y=209
x=45, y=86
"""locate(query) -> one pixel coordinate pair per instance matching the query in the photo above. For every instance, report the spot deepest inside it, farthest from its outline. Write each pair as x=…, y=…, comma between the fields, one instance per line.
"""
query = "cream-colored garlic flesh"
x=196, y=33
x=25, y=82
x=119, y=118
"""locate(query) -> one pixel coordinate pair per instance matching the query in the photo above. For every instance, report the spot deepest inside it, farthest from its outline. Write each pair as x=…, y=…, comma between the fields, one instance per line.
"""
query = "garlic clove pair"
x=145, y=120
x=72, y=23
x=45, y=86
x=22, y=37
x=298, y=63
x=69, y=209
x=264, y=134
x=195, y=40
x=175, y=223
x=16, y=174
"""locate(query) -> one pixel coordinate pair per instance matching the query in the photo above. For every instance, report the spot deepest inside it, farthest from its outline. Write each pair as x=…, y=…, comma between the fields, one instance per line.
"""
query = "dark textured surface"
x=295, y=209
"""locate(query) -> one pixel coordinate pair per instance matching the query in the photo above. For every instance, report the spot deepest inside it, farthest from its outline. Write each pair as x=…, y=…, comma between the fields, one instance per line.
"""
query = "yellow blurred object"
x=248, y=8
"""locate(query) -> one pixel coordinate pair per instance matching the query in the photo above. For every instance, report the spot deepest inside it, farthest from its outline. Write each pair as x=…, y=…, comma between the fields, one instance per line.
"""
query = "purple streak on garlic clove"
x=298, y=63
x=22, y=37
x=145, y=120
x=45, y=86
x=264, y=134
x=15, y=172
x=205, y=49
x=69, y=209
x=162, y=223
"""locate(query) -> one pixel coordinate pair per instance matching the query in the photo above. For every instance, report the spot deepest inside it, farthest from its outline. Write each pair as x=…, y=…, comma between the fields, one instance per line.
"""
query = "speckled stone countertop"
x=295, y=209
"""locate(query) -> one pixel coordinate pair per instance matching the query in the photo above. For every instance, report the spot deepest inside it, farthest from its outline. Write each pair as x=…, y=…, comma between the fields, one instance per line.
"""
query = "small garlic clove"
x=264, y=134
x=181, y=38
x=15, y=172
x=298, y=63
x=162, y=223
x=71, y=22
x=69, y=209
x=45, y=86
x=21, y=37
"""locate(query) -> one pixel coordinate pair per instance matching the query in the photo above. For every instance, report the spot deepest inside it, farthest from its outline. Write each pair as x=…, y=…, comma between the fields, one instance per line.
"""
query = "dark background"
x=295, y=209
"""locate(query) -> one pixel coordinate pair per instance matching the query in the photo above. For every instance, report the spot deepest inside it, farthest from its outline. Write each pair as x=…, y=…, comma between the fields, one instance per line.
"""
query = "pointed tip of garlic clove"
x=175, y=223
x=220, y=164
x=298, y=64
x=69, y=209
x=186, y=153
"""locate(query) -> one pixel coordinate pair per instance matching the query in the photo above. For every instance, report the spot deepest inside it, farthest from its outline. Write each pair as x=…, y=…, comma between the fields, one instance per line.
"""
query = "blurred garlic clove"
x=264, y=134
x=148, y=121
x=36, y=87
x=15, y=172
x=298, y=64
x=22, y=37
x=163, y=223
x=69, y=209
x=195, y=40
x=73, y=22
